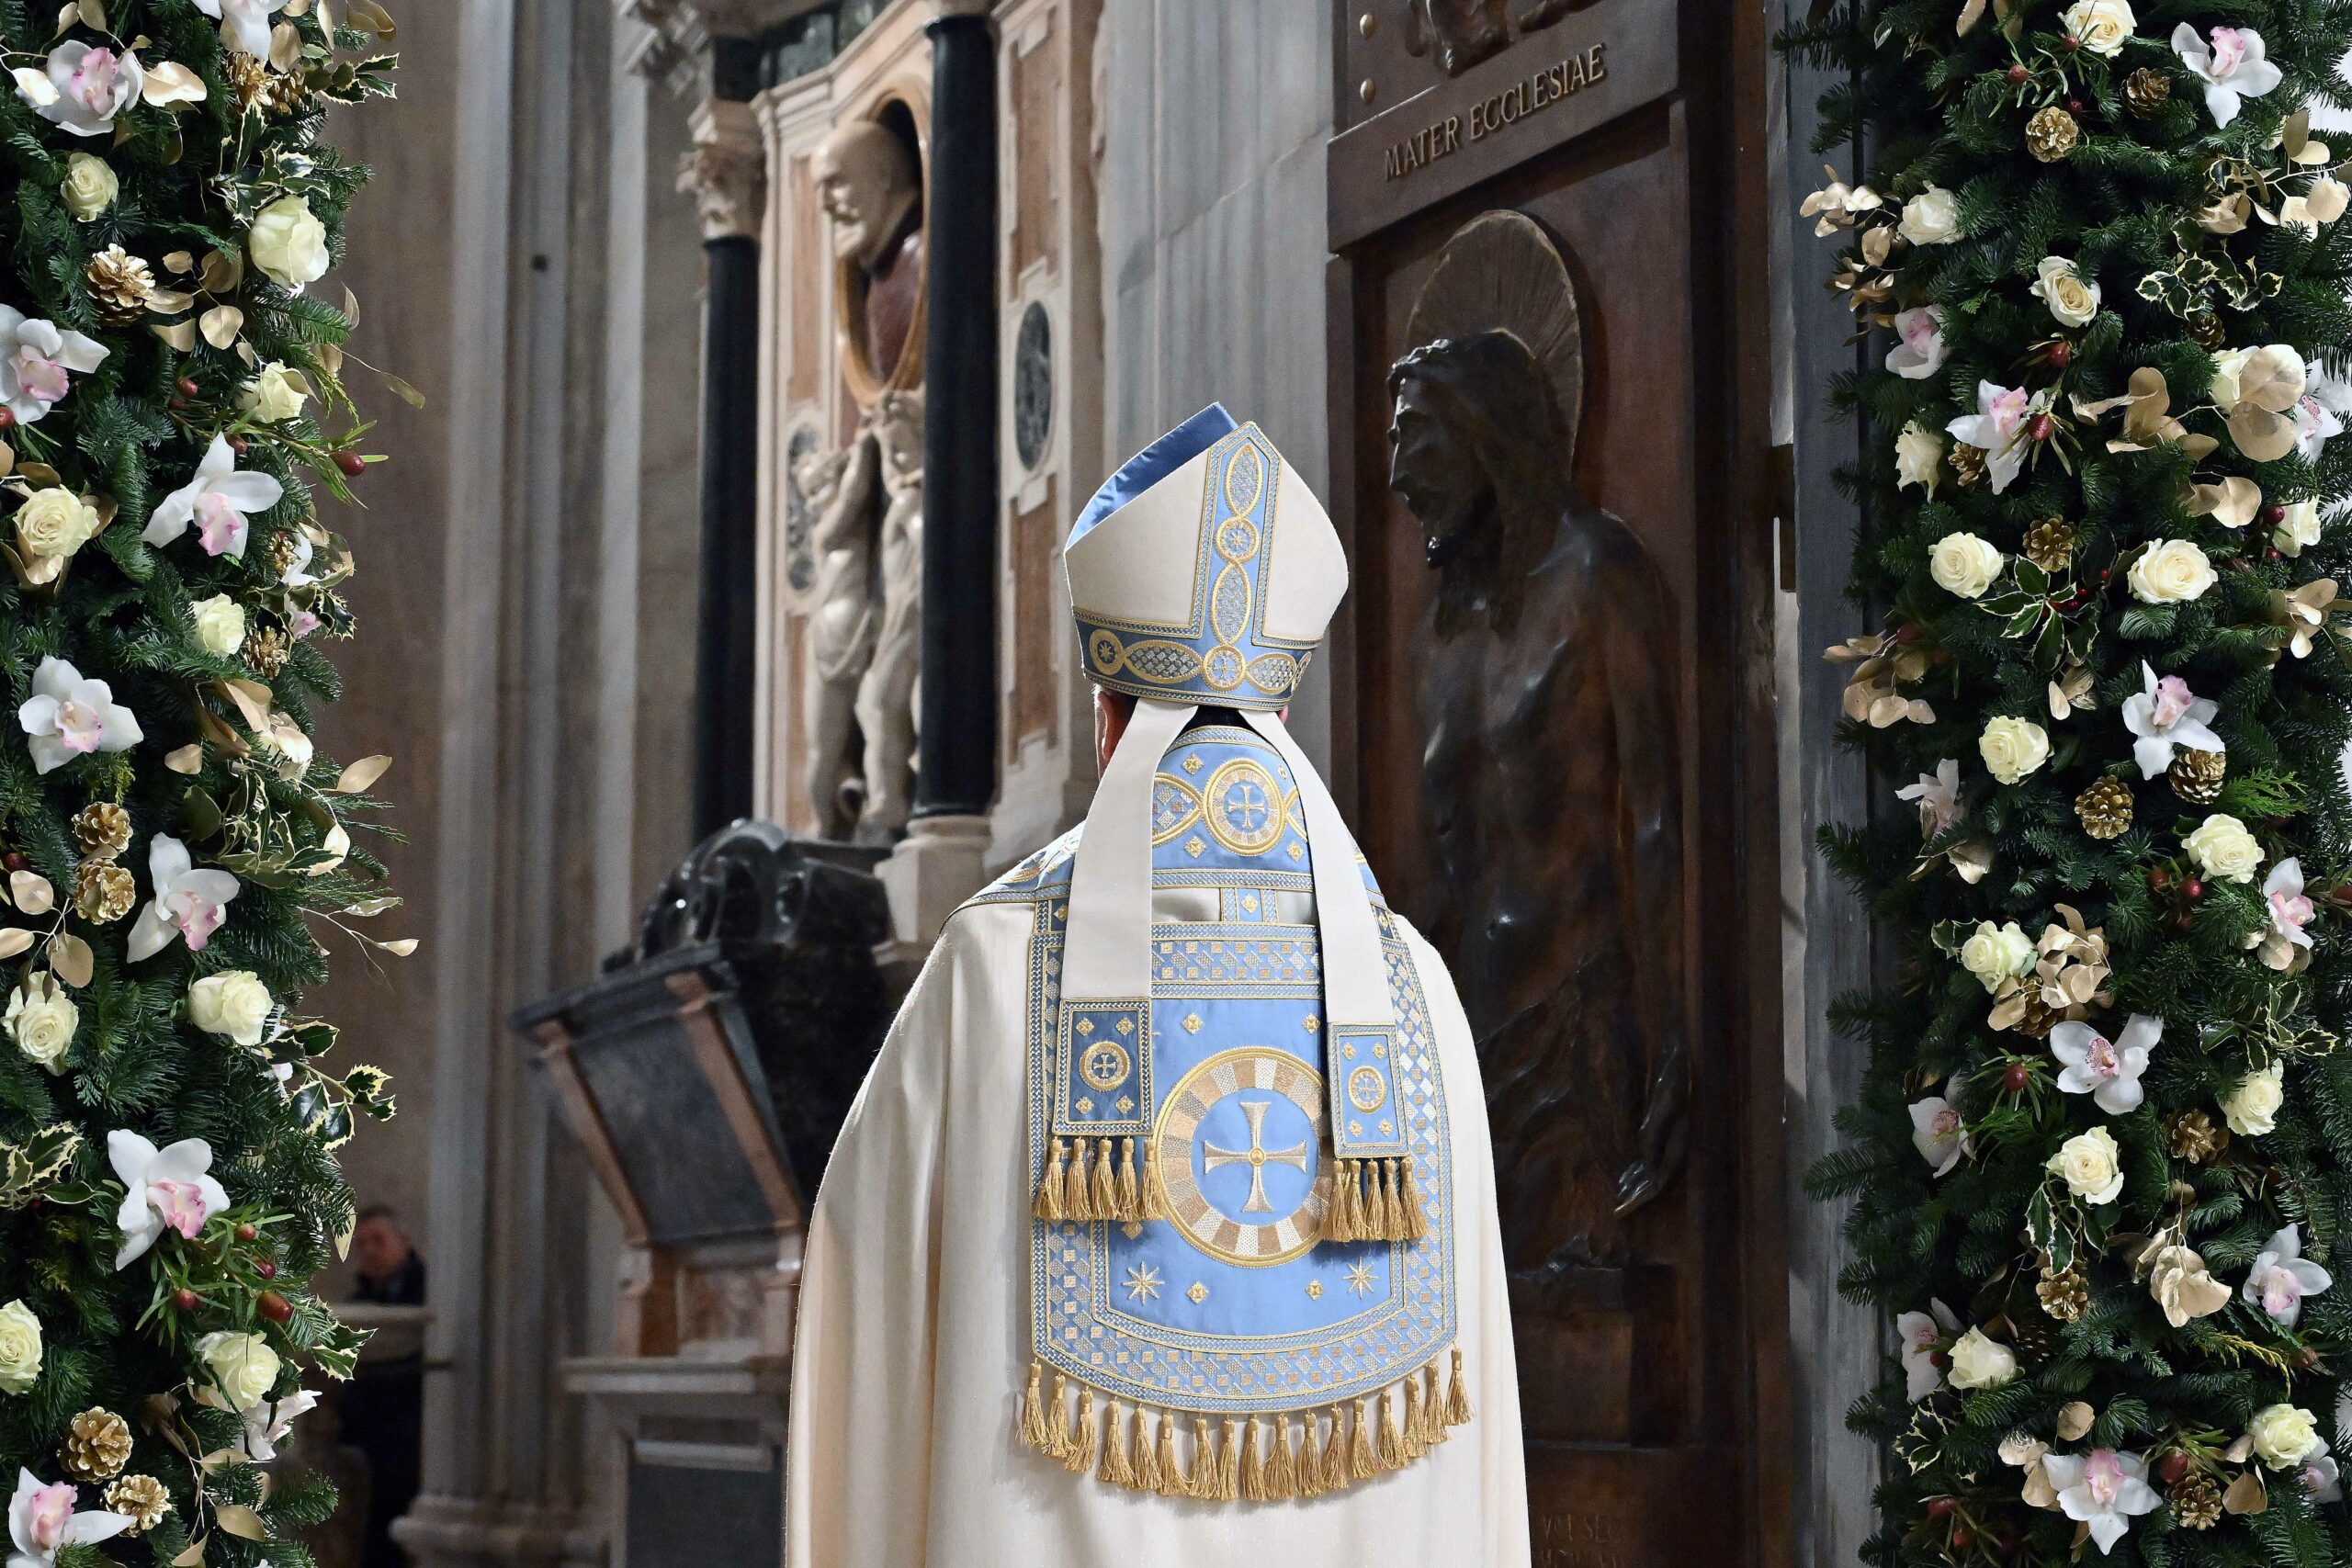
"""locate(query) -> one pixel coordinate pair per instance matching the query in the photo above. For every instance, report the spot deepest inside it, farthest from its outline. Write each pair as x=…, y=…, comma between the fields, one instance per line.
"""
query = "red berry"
x=266, y=1268
x=2173, y=1467
x=175, y=404
x=186, y=1299
x=2061, y=353
x=2106, y=572
x=273, y=1307
x=2017, y=1076
x=2183, y=920
x=2073, y=106
x=246, y=1233
x=2193, y=888
x=2274, y=515
x=8, y=417
x=2040, y=427
x=2307, y=1358
x=1941, y=1507
x=1963, y=1537
x=351, y=462
x=238, y=445
x=2158, y=876
x=187, y=386
x=2070, y=43
x=2272, y=555
x=15, y=860
x=2020, y=75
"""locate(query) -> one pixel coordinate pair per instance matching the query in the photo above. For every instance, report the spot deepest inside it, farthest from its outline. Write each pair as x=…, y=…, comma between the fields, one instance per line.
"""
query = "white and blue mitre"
x=1242, y=1243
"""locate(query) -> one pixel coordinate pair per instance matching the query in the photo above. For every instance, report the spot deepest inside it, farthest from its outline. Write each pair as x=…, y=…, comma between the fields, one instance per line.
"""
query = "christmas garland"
x=172, y=847
x=2101, y=1168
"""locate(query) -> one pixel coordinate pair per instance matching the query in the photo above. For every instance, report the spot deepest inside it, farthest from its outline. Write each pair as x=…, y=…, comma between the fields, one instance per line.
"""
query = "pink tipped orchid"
x=188, y=903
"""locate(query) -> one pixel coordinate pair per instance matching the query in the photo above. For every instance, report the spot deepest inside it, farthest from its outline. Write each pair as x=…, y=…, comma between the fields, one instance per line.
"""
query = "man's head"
x=867, y=180
x=1112, y=711
x=379, y=1245
x=1472, y=435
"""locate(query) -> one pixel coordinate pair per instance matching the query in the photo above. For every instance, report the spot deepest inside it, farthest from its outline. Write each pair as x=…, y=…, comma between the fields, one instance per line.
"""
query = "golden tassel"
x=1457, y=1400
x=1146, y=1465
x=1076, y=1203
x=1115, y=1470
x=1106, y=1194
x=1310, y=1455
x=1391, y=1441
x=1394, y=1180
x=1335, y=1452
x=1409, y=1440
x=1171, y=1475
x=1056, y=1442
x=1080, y=1457
x=1153, y=1209
x=1362, y=1464
x=1130, y=1198
x=1432, y=1409
x=1253, y=1468
x=1201, y=1483
x=1228, y=1467
x=1408, y=1194
x=1033, y=1413
x=1048, y=1205
x=1337, y=1219
x=1281, y=1471
x=1376, y=1218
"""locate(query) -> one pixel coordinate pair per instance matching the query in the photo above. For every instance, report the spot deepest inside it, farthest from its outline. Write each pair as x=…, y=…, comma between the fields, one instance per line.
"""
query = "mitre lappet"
x=1242, y=1256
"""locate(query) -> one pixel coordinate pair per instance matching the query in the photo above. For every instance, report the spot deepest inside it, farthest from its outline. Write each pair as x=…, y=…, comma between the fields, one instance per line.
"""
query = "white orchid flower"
x=1937, y=795
x=2166, y=717
x=2314, y=423
x=68, y=716
x=169, y=1189
x=2000, y=426
x=84, y=87
x=188, y=903
x=2231, y=63
x=245, y=23
x=2291, y=912
x=2281, y=1276
x=2322, y=1480
x=38, y=363
x=220, y=501
x=1940, y=1133
x=1919, y=350
x=41, y=1520
x=2109, y=1071
x=2103, y=1489
x=268, y=1424
x=1924, y=1334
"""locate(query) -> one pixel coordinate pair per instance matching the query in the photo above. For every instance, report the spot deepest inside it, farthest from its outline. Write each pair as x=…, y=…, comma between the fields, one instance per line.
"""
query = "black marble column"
x=956, y=767
x=727, y=606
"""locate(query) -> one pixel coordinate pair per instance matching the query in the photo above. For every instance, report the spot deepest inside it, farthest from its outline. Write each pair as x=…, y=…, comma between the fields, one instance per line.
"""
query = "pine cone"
x=141, y=1498
x=260, y=90
x=2196, y=777
x=2037, y=1338
x=266, y=649
x=2196, y=1502
x=103, y=892
x=2050, y=544
x=97, y=1444
x=2037, y=1020
x=285, y=549
x=2195, y=1138
x=2209, y=332
x=120, y=283
x=1968, y=464
x=2066, y=1295
x=2051, y=134
x=102, y=828
x=2105, y=808
x=2146, y=90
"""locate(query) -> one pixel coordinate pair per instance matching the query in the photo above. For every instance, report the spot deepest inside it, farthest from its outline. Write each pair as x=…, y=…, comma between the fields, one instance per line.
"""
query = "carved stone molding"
x=676, y=50
x=726, y=171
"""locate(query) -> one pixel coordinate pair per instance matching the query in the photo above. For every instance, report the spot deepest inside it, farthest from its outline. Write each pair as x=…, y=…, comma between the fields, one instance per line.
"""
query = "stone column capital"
x=726, y=170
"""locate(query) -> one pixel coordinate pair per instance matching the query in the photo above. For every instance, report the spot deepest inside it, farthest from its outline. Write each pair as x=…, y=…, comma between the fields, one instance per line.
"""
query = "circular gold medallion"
x=1105, y=1065
x=1241, y=1166
x=1236, y=539
x=1366, y=1089
x=1104, y=648
x=1243, y=807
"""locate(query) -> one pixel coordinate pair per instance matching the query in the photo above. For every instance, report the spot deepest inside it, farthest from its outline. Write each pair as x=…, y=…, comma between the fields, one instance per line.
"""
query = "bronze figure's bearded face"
x=1473, y=442
x=866, y=182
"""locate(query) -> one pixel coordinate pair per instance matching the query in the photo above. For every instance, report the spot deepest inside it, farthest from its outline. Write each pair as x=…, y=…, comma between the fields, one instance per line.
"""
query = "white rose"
x=55, y=522
x=233, y=1002
x=2071, y=298
x=1979, y=1362
x=2298, y=528
x=243, y=1367
x=2252, y=1107
x=2224, y=850
x=220, y=624
x=2169, y=572
x=2283, y=1434
x=275, y=393
x=1963, y=564
x=1919, y=458
x=1996, y=954
x=289, y=242
x=2091, y=1164
x=1931, y=217
x=41, y=1020
x=2226, y=367
x=19, y=1347
x=2013, y=748
x=89, y=186
x=2100, y=26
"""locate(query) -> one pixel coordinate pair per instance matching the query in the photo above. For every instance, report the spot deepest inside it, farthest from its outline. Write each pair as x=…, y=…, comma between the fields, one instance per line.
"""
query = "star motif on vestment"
x=1315, y=1290
x=1192, y=846
x=1192, y=1024
x=1143, y=1283
x=1126, y=1026
x=1085, y=1106
x=1126, y=1103
x=1085, y=1026
x=1388, y=1128
x=1199, y=1293
x=1296, y=848
x=1193, y=763
x=1312, y=1024
x=1360, y=1279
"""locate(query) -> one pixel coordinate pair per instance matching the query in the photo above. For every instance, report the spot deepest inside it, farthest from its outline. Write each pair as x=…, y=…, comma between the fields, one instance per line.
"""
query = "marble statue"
x=886, y=694
x=869, y=185
x=839, y=489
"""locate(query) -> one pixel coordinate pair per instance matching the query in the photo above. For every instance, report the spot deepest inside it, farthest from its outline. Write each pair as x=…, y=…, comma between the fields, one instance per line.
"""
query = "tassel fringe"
x=1373, y=1200
x=1087, y=1180
x=1255, y=1458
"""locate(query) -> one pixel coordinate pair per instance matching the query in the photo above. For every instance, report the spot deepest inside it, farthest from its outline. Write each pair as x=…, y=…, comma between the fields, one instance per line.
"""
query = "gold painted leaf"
x=241, y=1521
x=2246, y=1495
x=252, y=700
x=172, y=83
x=399, y=948
x=361, y=773
x=14, y=940
x=93, y=13
x=179, y=335
x=402, y=391
x=187, y=758
x=222, y=272
x=284, y=47
x=70, y=959
x=30, y=892
x=220, y=325
x=191, y=1556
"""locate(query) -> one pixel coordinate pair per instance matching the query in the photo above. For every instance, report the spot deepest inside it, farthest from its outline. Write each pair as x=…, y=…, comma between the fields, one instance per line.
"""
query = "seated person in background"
x=383, y=1405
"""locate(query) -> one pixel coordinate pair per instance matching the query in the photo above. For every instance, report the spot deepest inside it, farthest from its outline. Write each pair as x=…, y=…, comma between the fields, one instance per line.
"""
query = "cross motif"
x=1216, y=1158
x=1245, y=806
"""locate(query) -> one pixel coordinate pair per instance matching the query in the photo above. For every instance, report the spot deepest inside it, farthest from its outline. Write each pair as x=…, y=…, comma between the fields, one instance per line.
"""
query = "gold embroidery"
x=1360, y=1279
x=1193, y=763
x=1192, y=1024
x=1227, y=1075
x=1143, y=1283
x=1199, y=1293
x=1193, y=847
x=1366, y=1089
x=1315, y=1290
x=1312, y=1024
x=1241, y=808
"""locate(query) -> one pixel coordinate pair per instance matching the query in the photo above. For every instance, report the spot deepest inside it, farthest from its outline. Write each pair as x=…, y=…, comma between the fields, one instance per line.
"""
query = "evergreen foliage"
x=199, y=637
x=2204, y=241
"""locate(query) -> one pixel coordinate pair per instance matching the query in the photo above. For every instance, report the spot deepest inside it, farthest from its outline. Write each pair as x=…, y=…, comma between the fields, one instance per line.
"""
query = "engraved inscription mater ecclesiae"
x=1528, y=95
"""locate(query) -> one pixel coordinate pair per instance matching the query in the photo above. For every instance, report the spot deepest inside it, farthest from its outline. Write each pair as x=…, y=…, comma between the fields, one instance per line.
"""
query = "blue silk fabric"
x=1233, y=1304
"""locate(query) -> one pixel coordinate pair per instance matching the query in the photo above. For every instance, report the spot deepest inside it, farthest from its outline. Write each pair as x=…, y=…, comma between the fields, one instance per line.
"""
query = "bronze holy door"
x=1550, y=456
